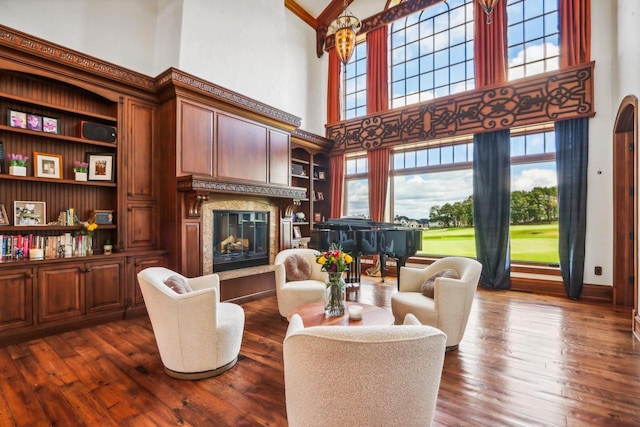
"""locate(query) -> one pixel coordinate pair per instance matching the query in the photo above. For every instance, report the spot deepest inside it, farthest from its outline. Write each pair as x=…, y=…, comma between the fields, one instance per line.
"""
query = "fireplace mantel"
x=198, y=189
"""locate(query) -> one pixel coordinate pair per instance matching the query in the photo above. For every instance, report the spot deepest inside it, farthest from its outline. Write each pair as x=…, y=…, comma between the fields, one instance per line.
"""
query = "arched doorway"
x=625, y=208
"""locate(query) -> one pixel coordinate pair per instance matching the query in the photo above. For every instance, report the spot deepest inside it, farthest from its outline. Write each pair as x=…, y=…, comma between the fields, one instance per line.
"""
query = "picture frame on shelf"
x=4, y=219
x=17, y=119
x=49, y=124
x=320, y=195
x=297, y=233
x=101, y=166
x=317, y=217
x=321, y=175
x=26, y=213
x=47, y=165
x=34, y=122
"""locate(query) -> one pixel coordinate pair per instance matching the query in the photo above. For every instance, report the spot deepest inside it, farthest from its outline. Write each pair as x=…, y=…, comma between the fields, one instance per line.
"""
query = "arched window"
x=432, y=53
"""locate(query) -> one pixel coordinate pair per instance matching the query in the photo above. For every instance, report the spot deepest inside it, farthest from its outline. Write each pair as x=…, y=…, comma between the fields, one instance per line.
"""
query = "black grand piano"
x=365, y=237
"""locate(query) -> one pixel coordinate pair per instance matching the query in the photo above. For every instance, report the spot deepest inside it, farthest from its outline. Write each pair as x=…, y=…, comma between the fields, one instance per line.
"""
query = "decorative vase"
x=89, y=245
x=108, y=249
x=335, y=296
x=18, y=170
x=81, y=176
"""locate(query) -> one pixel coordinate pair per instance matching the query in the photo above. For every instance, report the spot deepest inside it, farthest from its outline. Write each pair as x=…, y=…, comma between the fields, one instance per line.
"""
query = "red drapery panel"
x=378, y=174
x=336, y=167
x=490, y=47
x=333, y=88
x=377, y=71
x=575, y=32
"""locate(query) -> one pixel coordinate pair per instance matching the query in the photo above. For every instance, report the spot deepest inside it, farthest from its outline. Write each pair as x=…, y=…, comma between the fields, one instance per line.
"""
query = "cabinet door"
x=104, y=285
x=140, y=155
x=16, y=299
x=141, y=225
x=60, y=292
x=141, y=264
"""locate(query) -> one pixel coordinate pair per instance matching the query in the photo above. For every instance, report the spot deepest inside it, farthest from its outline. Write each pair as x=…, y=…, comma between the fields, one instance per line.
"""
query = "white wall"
x=117, y=31
x=599, y=239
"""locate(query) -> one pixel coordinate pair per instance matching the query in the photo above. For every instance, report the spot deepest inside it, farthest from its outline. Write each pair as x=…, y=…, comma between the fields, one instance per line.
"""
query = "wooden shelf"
x=46, y=105
x=58, y=181
x=56, y=136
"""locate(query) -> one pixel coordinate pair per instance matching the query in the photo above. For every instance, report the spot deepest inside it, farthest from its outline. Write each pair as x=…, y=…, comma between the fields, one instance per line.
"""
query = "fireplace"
x=240, y=239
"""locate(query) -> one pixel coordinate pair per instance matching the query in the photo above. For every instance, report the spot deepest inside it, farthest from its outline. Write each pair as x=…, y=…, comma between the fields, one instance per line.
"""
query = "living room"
x=174, y=44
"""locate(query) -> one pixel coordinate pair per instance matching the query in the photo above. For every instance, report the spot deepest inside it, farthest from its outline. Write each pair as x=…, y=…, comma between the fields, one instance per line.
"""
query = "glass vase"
x=89, y=245
x=335, y=295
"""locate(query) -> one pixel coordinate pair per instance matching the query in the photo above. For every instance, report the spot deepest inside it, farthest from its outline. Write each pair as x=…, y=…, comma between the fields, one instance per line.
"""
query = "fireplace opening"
x=240, y=239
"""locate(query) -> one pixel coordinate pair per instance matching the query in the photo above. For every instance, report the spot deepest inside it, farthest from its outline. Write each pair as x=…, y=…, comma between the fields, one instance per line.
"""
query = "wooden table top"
x=313, y=315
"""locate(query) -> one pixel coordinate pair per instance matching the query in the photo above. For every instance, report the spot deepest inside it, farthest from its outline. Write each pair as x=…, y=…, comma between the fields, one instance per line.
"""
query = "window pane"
x=351, y=166
x=357, y=197
x=460, y=153
x=517, y=146
x=446, y=154
x=398, y=161
x=422, y=158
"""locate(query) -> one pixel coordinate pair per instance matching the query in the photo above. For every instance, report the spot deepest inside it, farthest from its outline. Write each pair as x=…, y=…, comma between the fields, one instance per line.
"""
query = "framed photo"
x=30, y=213
x=47, y=165
x=101, y=166
x=4, y=220
x=49, y=125
x=17, y=119
x=320, y=195
x=317, y=217
x=34, y=122
x=296, y=232
x=321, y=175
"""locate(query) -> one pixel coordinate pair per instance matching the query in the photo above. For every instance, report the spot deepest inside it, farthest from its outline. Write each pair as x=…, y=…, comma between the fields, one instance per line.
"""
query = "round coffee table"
x=313, y=315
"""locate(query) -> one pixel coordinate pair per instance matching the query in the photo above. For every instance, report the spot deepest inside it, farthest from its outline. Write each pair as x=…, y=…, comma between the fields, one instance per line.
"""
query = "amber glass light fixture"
x=345, y=28
x=487, y=6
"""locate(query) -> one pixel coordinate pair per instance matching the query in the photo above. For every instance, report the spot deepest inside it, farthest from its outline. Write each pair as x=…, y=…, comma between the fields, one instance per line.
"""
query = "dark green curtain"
x=491, y=206
x=572, y=152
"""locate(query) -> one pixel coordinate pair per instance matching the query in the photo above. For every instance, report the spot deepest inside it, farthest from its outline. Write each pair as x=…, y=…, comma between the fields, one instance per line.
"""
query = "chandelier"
x=345, y=28
x=487, y=6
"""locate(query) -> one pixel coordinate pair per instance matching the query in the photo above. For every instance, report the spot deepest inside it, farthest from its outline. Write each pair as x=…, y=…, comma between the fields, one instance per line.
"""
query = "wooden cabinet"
x=139, y=264
x=76, y=289
x=16, y=299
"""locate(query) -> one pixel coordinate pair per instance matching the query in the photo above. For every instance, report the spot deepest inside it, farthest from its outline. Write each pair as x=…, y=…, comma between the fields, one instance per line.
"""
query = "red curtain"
x=333, y=88
x=490, y=47
x=575, y=32
x=377, y=71
x=378, y=174
x=336, y=166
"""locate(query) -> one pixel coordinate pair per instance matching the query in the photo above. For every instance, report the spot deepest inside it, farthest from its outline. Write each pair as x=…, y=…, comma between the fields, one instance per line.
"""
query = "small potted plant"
x=17, y=164
x=80, y=169
x=108, y=247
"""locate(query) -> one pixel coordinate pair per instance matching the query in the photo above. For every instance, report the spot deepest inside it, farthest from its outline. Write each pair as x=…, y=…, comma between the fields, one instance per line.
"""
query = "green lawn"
x=537, y=243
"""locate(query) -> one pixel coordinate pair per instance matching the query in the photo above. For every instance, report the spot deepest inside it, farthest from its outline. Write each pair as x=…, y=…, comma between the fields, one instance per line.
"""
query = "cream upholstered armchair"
x=362, y=375
x=299, y=279
x=449, y=307
x=197, y=335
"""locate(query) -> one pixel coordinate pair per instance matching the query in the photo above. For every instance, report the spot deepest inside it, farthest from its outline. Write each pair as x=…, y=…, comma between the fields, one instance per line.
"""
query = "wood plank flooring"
x=525, y=360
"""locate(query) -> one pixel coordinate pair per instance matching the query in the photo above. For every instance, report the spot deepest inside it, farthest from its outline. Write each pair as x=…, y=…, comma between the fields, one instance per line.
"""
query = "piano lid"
x=356, y=223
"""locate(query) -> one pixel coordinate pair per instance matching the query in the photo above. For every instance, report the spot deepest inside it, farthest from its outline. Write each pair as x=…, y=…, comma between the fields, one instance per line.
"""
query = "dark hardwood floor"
x=525, y=360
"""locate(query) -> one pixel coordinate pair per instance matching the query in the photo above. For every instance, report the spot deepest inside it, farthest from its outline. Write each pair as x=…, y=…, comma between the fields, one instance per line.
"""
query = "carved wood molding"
x=302, y=137
x=203, y=185
x=53, y=52
x=177, y=77
x=552, y=96
x=194, y=203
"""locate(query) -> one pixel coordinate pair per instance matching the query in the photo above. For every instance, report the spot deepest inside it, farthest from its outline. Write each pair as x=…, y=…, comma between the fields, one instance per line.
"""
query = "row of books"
x=30, y=246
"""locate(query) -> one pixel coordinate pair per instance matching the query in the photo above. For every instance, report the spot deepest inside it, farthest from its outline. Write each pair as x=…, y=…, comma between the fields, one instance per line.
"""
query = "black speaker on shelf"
x=98, y=132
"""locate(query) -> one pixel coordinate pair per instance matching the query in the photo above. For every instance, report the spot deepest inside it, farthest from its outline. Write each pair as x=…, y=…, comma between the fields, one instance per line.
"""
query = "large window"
x=355, y=84
x=532, y=37
x=356, y=198
x=432, y=53
x=431, y=187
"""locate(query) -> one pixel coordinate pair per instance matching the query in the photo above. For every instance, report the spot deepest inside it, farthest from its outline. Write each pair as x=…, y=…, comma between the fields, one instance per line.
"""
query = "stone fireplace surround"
x=221, y=201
